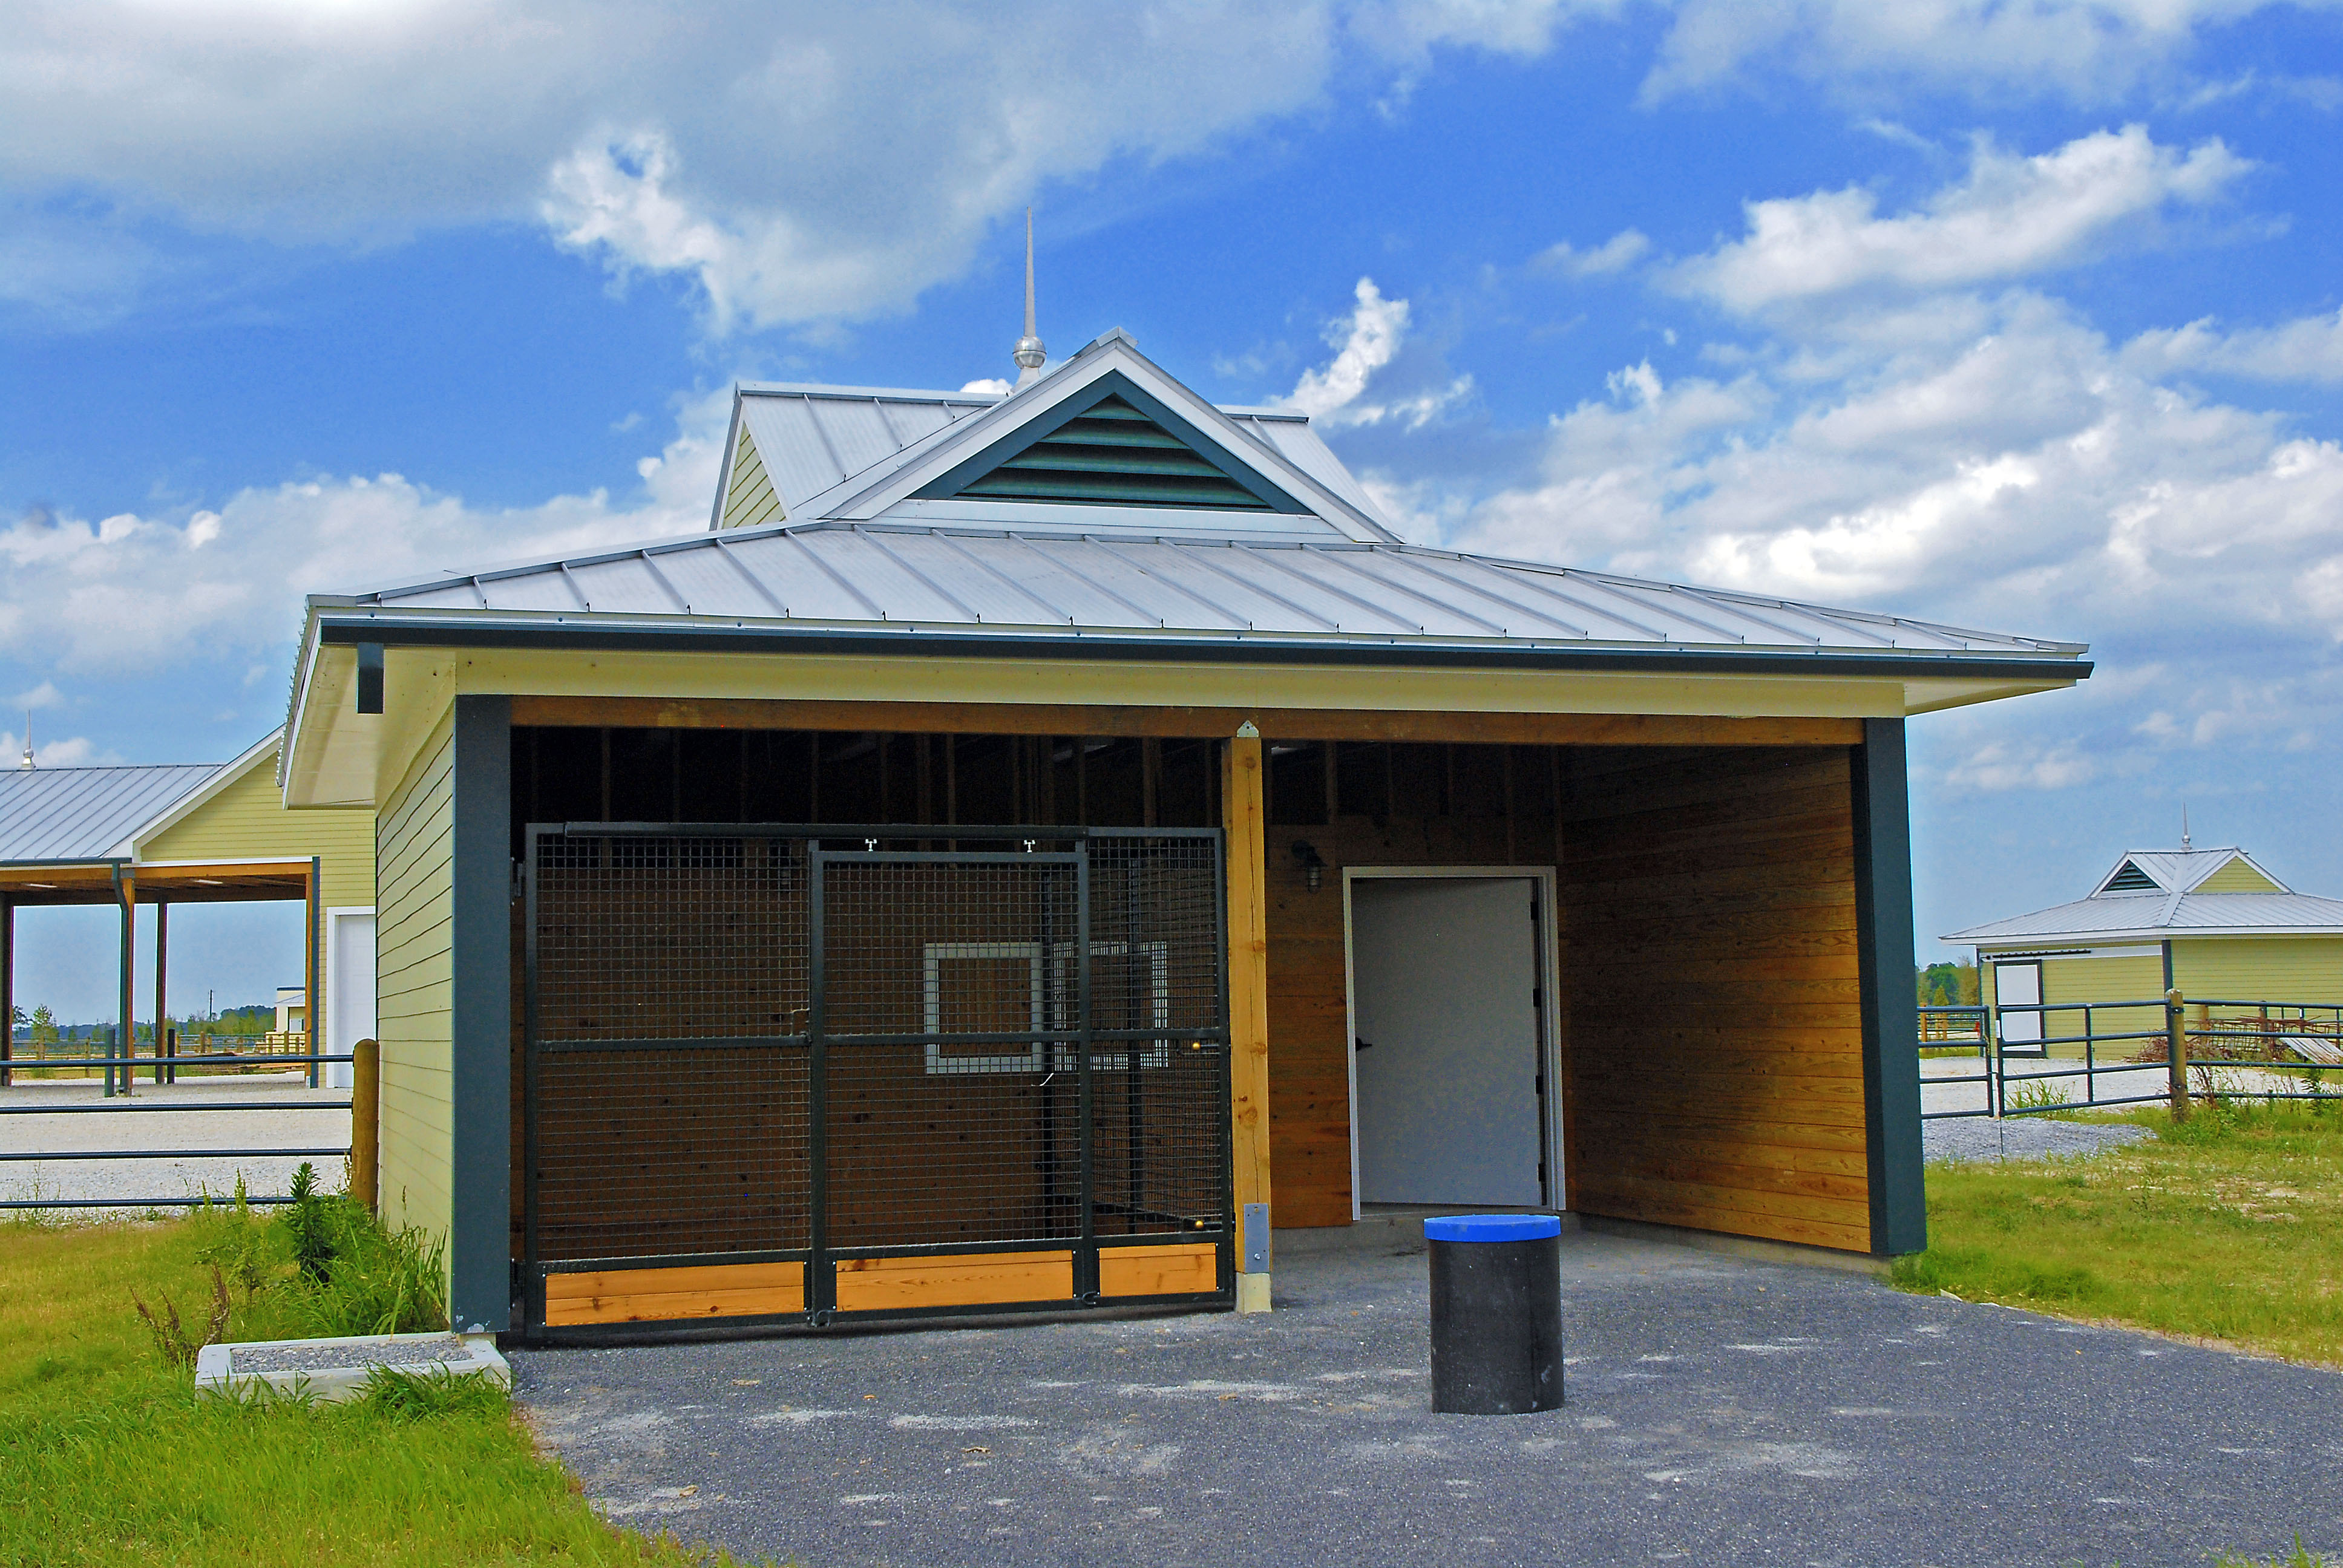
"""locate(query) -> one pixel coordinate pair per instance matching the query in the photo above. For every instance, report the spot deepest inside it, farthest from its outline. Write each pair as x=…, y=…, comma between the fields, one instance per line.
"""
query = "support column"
x=7, y=987
x=126, y=893
x=1248, y=898
x=479, y=1236
x=162, y=967
x=309, y=987
x=1890, y=1046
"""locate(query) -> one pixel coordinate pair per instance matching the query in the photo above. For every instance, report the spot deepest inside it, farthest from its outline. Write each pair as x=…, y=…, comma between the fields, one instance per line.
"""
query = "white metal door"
x=1445, y=975
x=2018, y=986
x=350, y=986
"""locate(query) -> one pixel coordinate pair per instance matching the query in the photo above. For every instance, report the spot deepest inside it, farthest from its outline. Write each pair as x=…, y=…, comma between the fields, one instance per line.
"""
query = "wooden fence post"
x=2177, y=1052
x=365, y=1122
x=1248, y=900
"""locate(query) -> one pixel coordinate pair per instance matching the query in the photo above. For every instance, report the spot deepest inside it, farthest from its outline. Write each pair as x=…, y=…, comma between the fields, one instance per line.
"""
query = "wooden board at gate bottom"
x=1188, y=1269
x=668, y=1295
x=953, y=1280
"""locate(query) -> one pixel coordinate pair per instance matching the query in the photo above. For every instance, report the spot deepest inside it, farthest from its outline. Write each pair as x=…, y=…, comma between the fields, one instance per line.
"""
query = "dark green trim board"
x=584, y=633
x=1891, y=1043
x=479, y=1238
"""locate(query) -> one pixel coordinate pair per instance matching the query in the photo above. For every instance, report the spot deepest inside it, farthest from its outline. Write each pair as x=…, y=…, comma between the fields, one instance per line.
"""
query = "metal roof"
x=69, y=816
x=910, y=582
x=2179, y=870
x=2157, y=916
x=828, y=450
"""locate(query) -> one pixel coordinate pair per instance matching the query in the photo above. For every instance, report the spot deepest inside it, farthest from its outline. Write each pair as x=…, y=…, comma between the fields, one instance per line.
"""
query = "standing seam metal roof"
x=912, y=579
x=68, y=816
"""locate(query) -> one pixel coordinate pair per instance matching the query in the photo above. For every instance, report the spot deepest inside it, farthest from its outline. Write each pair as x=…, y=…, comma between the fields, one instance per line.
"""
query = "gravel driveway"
x=1720, y=1411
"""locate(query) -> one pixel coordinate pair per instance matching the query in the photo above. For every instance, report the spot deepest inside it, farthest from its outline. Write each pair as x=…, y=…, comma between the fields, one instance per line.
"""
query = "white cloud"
x=798, y=162
x=995, y=384
x=2308, y=348
x=2085, y=51
x=2013, y=216
x=1365, y=343
x=77, y=751
x=1618, y=253
x=45, y=695
x=132, y=593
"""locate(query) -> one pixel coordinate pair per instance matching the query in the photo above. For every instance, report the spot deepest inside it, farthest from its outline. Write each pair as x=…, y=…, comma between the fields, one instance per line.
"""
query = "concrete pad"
x=332, y=1369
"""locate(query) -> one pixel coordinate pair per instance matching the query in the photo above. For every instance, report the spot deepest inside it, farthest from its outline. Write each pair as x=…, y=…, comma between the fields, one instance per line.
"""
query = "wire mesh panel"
x=668, y=1065
x=1160, y=1125
x=951, y=993
x=951, y=1072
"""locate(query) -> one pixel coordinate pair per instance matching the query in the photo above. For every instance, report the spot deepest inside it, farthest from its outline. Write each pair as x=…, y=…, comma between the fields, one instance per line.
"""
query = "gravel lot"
x=72, y=1115
x=1720, y=1411
x=2020, y=1138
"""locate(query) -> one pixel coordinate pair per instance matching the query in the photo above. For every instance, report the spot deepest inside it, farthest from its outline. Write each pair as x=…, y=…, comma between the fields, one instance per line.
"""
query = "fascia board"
x=1992, y=946
x=226, y=774
x=724, y=471
x=1078, y=375
x=304, y=669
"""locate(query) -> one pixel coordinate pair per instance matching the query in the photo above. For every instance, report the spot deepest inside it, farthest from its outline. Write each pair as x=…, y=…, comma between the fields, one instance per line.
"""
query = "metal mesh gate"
x=770, y=1073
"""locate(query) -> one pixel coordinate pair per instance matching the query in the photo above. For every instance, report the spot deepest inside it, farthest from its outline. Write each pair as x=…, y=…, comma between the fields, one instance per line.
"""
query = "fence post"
x=365, y=1122
x=2177, y=1052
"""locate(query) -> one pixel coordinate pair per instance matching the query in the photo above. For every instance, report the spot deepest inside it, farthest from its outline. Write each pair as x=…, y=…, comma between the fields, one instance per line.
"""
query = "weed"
x=2298, y=1558
x=171, y=1341
x=308, y=1223
x=420, y=1396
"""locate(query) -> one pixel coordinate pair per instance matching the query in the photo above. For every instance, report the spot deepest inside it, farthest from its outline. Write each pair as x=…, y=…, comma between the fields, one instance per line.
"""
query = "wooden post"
x=1248, y=892
x=2177, y=1051
x=162, y=965
x=7, y=986
x=365, y=1122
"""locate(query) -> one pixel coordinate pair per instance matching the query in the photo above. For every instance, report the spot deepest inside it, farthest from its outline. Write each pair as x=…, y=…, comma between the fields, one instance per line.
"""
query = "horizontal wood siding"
x=416, y=831
x=2260, y=969
x=1309, y=1006
x=1714, y=1062
x=750, y=499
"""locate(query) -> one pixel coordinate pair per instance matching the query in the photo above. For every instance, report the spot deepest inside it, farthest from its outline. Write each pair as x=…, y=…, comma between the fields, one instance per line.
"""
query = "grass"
x=106, y=1456
x=2228, y=1227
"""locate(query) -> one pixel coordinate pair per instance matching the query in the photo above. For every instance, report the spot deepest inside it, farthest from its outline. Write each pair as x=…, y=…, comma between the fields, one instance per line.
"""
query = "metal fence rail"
x=2156, y=1050
x=119, y=1104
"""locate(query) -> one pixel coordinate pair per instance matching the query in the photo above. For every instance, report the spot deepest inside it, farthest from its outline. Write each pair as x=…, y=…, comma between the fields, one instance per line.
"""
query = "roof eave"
x=354, y=623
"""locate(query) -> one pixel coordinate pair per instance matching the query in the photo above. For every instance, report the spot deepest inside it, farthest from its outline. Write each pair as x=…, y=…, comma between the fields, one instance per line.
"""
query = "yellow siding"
x=248, y=821
x=2260, y=969
x=2236, y=877
x=2099, y=980
x=415, y=989
x=750, y=500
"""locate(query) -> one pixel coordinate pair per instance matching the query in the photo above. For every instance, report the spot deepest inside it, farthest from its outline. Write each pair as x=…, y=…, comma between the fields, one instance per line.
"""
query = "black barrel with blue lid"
x=1496, y=1313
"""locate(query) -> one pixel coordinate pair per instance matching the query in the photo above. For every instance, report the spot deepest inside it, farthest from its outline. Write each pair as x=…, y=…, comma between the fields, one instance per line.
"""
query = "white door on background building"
x=1444, y=976
x=350, y=986
x=2018, y=986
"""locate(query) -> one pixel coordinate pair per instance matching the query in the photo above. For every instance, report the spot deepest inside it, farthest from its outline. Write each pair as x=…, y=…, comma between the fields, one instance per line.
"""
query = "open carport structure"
x=1528, y=886
x=197, y=833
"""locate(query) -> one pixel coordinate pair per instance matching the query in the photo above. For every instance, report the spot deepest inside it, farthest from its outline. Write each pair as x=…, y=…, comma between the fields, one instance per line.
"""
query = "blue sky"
x=2021, y=316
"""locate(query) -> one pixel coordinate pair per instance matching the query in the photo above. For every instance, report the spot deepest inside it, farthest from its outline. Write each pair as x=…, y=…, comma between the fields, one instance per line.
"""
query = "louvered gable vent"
x=2130, y=879
x=1112, y=454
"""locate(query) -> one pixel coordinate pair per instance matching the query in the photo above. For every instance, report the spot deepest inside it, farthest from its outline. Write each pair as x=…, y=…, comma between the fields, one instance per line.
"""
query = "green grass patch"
x=2228, y=1227
x=107, y=1457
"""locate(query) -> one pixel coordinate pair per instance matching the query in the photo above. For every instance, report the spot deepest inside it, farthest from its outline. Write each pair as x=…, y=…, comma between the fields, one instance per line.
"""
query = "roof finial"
x=1029, y=353
x=27, y=761
x=2184, y=826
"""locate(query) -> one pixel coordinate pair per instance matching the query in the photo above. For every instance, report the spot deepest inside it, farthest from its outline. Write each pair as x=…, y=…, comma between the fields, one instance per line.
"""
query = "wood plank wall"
x=1714, y=1069
x=1429, y=806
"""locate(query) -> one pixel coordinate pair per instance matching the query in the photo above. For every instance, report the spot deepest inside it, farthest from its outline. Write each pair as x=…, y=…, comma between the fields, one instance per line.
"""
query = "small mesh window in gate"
x=769, y=1073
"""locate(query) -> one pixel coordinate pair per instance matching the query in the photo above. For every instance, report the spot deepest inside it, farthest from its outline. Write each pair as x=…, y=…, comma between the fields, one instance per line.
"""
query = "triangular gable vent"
x=1112, y=455
x=2130, y=879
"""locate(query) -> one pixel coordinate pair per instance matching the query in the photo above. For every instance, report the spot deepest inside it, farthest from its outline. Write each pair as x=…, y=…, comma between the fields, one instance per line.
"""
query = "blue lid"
x=1491, y=1228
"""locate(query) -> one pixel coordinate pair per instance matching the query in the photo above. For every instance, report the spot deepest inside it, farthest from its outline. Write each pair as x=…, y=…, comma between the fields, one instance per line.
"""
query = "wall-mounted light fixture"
x=1314, y=864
